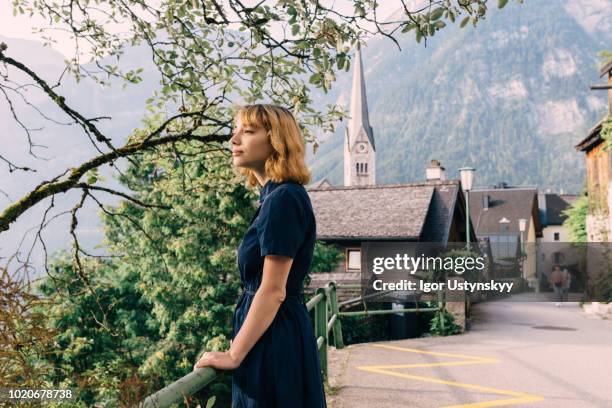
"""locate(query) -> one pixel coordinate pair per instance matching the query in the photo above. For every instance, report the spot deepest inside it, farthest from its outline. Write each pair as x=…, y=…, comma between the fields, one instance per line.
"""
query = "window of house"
x=558, y=257
x=504, y=245
x=353, y=258
x=556, y=236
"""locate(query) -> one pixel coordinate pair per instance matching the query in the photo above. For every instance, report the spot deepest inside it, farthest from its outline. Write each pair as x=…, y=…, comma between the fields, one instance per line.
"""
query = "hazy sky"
x=20, y=26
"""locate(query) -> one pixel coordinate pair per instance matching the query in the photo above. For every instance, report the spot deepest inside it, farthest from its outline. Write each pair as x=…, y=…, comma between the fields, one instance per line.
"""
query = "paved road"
x=516, y=354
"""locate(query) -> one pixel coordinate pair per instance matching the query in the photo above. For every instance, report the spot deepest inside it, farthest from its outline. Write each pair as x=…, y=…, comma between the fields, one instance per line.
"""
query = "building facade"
x=496, y=214
x=599, y=171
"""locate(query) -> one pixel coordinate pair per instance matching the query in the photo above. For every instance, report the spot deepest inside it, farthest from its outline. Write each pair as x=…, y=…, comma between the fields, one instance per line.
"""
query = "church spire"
x=359, y=104
x=359, y=148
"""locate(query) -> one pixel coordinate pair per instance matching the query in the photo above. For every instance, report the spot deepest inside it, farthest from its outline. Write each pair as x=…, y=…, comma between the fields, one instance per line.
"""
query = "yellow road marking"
x=519, y=397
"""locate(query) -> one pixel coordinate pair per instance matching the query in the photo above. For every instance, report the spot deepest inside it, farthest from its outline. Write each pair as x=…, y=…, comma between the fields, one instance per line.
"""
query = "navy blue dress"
x=282, y=370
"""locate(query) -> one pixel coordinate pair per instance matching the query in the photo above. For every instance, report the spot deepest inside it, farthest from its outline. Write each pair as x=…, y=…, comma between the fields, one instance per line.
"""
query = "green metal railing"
x=326, y=319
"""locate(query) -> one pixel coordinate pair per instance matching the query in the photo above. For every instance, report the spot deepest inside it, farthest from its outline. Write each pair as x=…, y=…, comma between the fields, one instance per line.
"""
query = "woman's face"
x=250, y=146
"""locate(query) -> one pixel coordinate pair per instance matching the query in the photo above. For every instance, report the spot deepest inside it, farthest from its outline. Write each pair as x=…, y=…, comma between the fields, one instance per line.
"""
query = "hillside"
x=510, y=97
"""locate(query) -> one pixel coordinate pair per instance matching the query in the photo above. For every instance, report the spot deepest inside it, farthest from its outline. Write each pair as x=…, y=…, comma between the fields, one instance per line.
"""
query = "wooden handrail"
x=178, y=390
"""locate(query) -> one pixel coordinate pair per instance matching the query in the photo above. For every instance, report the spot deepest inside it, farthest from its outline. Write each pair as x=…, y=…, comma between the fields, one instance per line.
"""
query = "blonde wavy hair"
x=287, y=161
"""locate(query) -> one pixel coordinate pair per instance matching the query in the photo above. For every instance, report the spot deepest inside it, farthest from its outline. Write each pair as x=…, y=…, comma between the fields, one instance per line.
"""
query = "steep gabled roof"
x=320, y=184
x=511, y=203
x=441, y=211
x=605, y=68
x=418, y=211
x=555, y=204
x=593, y=138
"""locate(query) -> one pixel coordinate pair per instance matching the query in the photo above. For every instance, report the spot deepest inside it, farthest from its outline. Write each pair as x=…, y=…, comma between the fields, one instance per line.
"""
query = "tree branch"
x=49, y=188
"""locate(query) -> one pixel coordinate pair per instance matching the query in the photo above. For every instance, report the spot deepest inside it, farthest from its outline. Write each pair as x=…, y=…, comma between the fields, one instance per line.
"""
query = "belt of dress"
x=299, y=296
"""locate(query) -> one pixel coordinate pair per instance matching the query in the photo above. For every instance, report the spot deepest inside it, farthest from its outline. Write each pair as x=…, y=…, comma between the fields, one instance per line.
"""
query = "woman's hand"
x=221, y=360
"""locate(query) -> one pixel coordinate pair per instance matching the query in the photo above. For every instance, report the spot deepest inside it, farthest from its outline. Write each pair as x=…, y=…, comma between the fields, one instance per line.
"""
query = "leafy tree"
x=443, y=324
x=25, y=339
x=105, y=332
x=326, y=257
x=575, y=223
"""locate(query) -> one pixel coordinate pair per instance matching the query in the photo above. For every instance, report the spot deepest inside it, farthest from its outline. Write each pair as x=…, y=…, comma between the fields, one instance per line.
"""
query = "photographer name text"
x=451, y=284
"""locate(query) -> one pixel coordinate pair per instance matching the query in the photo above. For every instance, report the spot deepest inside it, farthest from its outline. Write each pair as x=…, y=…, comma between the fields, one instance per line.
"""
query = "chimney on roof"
x=501, y=184
x=542, y=211
x=486, y=200
x=435, y=171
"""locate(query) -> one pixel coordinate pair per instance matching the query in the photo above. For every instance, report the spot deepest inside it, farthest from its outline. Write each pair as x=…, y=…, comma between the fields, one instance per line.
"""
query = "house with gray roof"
x=431, y=211
x=496, y=214
x=347, y=216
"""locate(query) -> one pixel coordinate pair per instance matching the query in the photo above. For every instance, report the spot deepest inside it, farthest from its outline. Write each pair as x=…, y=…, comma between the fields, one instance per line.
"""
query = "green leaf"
x=440, y=24
x=436, y=14
x=464, y=21
x=359, y=10
x=430, y=29
x=295, y=29
x=315, y=78
x=340, y=60
x=502, y=3
x=408, y=27
x=92, y=176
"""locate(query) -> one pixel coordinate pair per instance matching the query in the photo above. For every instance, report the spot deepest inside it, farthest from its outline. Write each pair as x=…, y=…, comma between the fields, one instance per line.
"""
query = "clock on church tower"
x=362, y=148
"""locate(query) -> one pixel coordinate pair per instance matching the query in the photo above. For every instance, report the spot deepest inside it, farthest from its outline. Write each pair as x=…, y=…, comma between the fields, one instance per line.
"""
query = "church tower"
x=359, y=149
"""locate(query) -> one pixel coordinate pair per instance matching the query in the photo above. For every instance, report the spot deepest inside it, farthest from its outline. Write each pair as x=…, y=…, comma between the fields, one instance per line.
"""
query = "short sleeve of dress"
x=282, y=228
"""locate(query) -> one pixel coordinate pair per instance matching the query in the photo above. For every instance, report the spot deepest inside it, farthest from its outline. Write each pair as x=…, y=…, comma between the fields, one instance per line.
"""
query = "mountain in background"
x=510, y=97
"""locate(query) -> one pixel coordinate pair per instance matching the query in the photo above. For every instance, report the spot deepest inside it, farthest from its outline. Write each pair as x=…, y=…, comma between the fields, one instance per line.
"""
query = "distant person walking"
x=558, y=281
x=567, y=279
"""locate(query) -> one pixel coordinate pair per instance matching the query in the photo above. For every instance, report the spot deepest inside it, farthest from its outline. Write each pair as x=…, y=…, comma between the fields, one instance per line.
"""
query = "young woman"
x=273, y=353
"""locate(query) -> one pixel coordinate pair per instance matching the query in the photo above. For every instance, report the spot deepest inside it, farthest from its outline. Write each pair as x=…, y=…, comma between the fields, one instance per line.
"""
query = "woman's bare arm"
x=265, y=305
